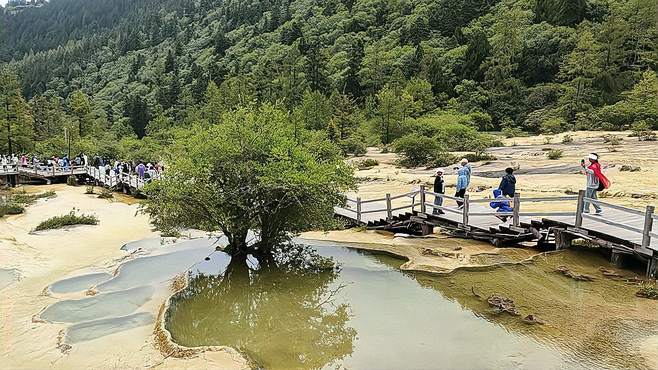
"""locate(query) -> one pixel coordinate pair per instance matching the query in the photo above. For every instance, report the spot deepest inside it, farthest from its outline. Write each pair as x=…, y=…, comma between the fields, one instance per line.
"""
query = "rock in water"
x=574, y=275
x=502, y=304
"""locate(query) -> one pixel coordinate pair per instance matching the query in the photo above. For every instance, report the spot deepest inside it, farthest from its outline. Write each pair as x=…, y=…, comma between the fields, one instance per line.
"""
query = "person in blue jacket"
x=501, y=204
x=463, y=180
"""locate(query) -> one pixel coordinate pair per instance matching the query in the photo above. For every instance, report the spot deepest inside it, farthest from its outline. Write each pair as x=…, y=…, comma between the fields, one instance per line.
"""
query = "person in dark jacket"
x=439, y=188
x=508, y=183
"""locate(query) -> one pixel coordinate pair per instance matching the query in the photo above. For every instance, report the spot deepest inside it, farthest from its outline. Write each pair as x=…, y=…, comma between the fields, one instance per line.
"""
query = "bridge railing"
x=40, y=170
x=357, y=205
x=648, y=216
x=515, y=203
x=6, y=169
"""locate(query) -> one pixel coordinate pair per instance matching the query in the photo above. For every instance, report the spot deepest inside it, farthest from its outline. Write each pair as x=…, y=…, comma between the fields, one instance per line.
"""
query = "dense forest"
x=127, y=76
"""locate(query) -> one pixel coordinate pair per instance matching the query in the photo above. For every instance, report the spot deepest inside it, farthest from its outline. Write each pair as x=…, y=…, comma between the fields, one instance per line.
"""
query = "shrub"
x=367, y=164
x=354, y=145
x=72, y=181
x=11, y=209
x=89, y=189
x=567, y=139
x=106, y=194
x=27, y=199
x=554, y=154
x=553, y=126
x=647, y=290
x=613, y=140
x=67, y=220
x=477, y=157
x=416, y=150
x=443, y=159
x=511, y=132
x=642, y=130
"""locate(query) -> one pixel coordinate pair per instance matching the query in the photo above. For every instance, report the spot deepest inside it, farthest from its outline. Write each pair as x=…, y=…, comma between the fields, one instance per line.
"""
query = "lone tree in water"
x=255, y=170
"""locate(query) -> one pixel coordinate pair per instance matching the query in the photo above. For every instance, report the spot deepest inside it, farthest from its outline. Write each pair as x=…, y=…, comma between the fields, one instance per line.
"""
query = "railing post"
x=579, y=208
x=422, y=199
x=413, y=203
x=517, y=206
x=358, y=209
x=389, y=212
x=648, y=226
x=465, y=210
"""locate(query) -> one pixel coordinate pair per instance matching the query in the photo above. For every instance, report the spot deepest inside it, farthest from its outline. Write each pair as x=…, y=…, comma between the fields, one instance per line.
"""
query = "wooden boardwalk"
x=48, y=174
x=625, y=231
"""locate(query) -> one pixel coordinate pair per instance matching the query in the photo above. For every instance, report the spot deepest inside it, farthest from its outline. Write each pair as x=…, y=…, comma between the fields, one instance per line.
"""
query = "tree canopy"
x=254, y=169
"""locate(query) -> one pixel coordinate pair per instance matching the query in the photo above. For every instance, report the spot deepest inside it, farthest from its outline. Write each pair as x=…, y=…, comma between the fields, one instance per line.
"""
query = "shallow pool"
x=371, y=315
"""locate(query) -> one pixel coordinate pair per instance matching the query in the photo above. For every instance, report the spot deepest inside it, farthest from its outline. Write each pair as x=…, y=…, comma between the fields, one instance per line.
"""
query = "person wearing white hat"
x=593, y=182
x=439, y=188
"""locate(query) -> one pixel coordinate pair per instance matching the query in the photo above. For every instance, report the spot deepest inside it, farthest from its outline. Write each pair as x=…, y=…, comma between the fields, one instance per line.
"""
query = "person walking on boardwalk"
x=141, y=169
x=463, y=180
x=439, y=188
x=508, y=183
x=596, y=181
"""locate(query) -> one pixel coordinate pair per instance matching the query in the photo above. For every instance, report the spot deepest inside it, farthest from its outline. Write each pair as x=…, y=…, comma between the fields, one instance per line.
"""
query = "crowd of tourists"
x=503, y=194
x=145, y=171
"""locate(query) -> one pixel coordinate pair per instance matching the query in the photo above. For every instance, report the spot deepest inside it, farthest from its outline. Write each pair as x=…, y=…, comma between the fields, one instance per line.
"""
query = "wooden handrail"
x=614, y=206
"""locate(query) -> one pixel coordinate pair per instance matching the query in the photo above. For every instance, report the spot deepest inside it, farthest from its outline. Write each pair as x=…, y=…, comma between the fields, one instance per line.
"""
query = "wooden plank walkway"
x=622, y=229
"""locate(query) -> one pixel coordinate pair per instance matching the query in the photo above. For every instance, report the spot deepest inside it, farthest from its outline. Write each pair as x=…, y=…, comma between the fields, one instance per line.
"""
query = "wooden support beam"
x=389, y=212
x=580, y=207
x=618, y=259
x=423, y=207
x=517, y=208
x=652, y=267
x=358, y=210
x=465, y=210
x=426, y=229
x=648, y=226
x=563, y=239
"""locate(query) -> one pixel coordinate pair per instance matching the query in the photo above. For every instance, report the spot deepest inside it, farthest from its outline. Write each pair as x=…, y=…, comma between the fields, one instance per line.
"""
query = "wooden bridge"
x=624, y=231
x=129, y=182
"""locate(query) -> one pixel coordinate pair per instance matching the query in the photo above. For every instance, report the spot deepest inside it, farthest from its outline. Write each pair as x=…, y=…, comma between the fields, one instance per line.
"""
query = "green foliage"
x=105, y=194
x=554, y=154
x=124, y=78
x=89, y=189
x=70, y=219
x=567, y=139
x=11, y=209
x=511, y=132
x=27, y=199
x=642, y=130
x=72, y=181
x=253, y=170
x=367, y=164
x=416, y=150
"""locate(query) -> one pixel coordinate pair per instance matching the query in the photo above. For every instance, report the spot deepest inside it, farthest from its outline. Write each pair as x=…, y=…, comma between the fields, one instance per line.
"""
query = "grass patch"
x=72, y=181
x=89, y=189
x=70, y=219
x=367, y=164
x=11, y=209
x=106, y=194
x=26, y=199
x=648, y=290
x=554, y=154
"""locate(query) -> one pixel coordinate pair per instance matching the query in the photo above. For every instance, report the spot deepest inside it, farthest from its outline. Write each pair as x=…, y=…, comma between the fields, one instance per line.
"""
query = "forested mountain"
x=366, y=71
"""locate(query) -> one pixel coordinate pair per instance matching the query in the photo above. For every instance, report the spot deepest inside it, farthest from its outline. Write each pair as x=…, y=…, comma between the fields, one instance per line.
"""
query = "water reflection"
x=283, y=316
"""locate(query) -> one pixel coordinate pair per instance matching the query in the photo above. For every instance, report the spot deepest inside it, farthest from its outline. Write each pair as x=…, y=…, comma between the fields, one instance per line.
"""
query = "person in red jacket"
x=596, y=181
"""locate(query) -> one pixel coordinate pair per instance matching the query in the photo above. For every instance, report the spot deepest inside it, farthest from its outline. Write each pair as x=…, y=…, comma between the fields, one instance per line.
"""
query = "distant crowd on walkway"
x=145, y=171
x=504, y=193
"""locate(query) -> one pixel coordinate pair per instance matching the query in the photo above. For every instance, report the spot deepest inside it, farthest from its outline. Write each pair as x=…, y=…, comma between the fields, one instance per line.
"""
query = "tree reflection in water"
x=283, y=316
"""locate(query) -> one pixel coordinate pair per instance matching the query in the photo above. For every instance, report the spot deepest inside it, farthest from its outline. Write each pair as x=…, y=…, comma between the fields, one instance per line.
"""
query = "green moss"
x=70, y=219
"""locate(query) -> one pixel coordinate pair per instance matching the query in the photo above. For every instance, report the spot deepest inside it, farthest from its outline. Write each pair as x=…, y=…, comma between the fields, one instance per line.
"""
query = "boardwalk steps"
x=624, y=231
